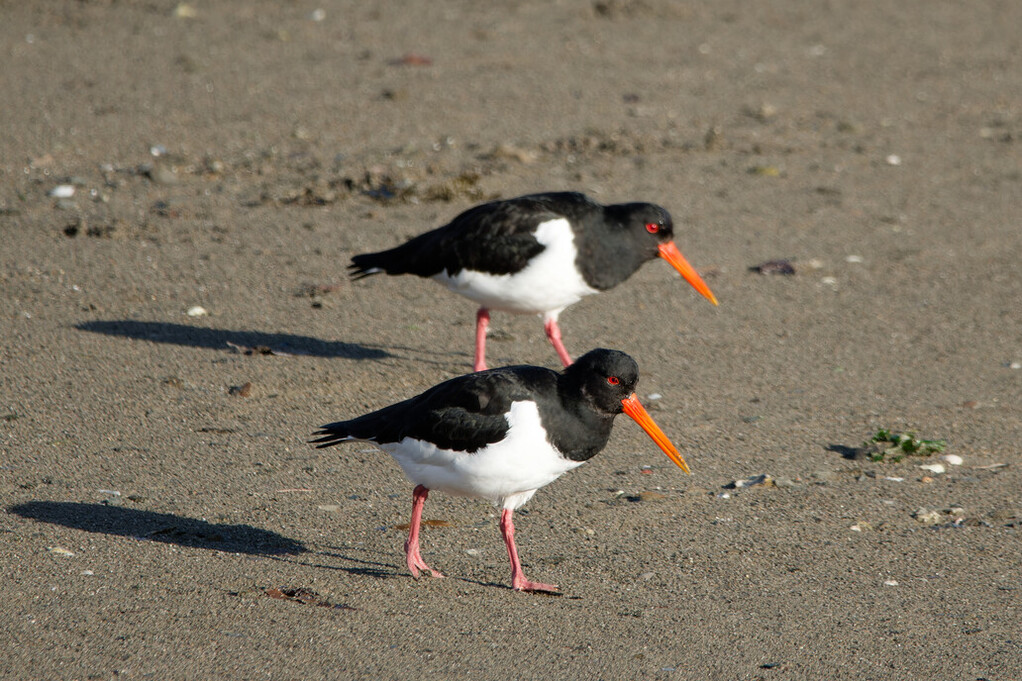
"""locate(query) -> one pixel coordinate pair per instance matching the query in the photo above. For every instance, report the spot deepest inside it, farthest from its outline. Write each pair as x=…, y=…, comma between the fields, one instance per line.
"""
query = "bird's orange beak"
x=639, y=414
x=671, y=254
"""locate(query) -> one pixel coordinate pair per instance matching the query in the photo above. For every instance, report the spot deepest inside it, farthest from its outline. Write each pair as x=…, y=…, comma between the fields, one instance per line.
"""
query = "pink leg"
x=415, y=561
x=482, y=322
x=518, y=580
x=553, y=332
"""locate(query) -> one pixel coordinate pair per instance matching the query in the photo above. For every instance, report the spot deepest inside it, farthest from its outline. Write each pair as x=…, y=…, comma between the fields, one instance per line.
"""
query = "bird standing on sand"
x=501, y=435
x=536, y=254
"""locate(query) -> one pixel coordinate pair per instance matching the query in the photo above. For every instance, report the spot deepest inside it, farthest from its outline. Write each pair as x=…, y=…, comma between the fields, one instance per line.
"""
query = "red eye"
x=652, y=228
x=613, y=380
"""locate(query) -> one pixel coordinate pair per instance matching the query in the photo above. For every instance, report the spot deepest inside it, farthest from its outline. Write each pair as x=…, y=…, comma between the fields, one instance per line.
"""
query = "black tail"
x=365, y=265
x=331, y=434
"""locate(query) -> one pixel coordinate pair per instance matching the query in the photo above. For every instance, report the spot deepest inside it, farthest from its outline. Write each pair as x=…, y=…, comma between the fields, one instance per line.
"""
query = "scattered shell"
x=62, y=191
x=853, y=258
x=1015, y=365
x=893, y=160
x=890, y=582
x=935, y=468
x=763, y=480
x=318, y=15
x=197, y=311
x=894, y=478
x=329, y=508
x=928, y=516
x=653, y=396
x=60, y=551
x=830, y=281
x=953, y=459
x=473, y=552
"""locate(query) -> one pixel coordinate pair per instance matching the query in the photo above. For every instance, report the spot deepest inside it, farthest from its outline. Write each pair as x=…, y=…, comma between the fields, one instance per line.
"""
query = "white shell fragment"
x=60, y=551
x=853, y=258
x=197, y=311
x=935, y=468
x=953, y=459
x=62, y=191
x=893, y=160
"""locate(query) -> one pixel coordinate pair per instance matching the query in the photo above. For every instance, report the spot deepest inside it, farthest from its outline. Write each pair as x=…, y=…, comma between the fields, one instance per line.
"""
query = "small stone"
x=928, y=516
x=646, y=576
x=185, y=11
x=935, y=468
x=829, y=281
x=825, y=475
x=953, y=459
x=473, y=552
x=60, y=551
x=890, y=582
x=197, y=311
x=893, y=160
x=853, y=258
x=62, y=191
x=650, y=495
x=329, y=508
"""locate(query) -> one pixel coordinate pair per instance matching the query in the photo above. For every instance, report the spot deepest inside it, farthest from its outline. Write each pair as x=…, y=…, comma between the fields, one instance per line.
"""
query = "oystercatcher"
x=536, y=254
x=502, y=434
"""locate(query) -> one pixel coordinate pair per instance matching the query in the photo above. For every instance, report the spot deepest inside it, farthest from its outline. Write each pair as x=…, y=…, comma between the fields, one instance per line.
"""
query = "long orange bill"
x=671, y=254
x=639, y=414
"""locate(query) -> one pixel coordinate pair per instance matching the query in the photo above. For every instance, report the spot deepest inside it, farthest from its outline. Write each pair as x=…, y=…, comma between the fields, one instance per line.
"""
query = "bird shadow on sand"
x=260, y=343
x=250, y=342
x=379, y=570
x=160, y=527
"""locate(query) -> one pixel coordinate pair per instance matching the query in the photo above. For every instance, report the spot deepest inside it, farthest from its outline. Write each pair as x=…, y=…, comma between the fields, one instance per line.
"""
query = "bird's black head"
x=604, y=378
x=647, y=224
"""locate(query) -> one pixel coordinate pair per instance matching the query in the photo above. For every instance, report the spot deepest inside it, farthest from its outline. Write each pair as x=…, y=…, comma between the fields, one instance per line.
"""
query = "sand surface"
x=157, y=486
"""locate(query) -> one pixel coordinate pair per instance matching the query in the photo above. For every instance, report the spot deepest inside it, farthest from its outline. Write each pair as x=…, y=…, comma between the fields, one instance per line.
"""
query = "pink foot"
x=518, y=580
x=412, y=555
x=482, y=322
x=553, y=332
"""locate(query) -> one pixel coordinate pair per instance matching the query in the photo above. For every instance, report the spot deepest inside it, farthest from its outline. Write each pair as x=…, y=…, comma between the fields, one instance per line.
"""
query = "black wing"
x=497, y=237
x=463, y=414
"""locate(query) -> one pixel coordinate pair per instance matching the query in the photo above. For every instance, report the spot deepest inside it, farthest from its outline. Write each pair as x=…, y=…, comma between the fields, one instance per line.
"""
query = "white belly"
x=507, y=473
x=550, y=282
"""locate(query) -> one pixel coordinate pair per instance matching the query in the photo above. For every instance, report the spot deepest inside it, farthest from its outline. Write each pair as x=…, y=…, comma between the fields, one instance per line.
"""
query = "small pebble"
x=830, y=281
x=197, y=311
x=473, y=552
x=329, y=508
x=953, y=459
x=652, y=397
x=928, y=516
x=318, y=15
x=935, y=468
x=893, y=160
x=1015, y=365
x=890, y=582
x=853, y=258
x=60, y=551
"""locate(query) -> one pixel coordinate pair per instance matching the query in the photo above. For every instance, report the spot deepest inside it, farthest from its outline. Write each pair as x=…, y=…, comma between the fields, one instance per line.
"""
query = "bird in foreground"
x=536, y=254
x=502, y=434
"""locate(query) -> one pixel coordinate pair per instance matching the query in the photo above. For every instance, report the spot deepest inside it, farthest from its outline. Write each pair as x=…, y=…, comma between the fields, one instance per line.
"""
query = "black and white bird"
x=536, y=254
x=501, y=435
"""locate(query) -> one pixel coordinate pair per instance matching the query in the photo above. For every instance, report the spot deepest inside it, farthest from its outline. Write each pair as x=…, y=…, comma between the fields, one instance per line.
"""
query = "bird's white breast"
x=507, y=472
x=549, y=283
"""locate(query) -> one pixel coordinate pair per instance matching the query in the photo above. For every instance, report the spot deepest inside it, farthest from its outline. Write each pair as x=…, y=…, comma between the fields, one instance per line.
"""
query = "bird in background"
x=502, y=434
x=536, y=254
